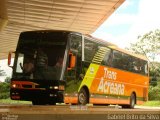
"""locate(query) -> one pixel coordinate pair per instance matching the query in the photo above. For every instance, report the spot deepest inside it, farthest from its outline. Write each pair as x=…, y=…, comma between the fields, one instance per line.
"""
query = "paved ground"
x=75, y=112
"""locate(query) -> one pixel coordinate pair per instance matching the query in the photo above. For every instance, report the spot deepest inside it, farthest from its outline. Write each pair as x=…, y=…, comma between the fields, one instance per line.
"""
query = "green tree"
x=4, y=90
x=154, y=92
x=4, y=87
x=154, y=73
x=148, y=45
x=8, y=79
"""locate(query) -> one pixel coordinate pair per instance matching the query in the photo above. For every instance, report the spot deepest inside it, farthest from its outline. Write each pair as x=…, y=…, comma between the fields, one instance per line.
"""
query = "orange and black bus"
x=90, y=70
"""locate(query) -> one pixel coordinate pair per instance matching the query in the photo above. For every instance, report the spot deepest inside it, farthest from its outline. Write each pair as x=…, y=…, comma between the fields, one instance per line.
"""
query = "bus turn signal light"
x=61, y=87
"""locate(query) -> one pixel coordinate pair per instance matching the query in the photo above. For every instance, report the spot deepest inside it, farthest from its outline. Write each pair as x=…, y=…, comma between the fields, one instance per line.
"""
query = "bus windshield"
x=40, y=55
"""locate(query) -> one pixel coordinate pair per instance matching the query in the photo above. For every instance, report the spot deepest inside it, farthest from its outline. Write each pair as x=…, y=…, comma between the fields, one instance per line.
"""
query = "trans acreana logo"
x=107, y=84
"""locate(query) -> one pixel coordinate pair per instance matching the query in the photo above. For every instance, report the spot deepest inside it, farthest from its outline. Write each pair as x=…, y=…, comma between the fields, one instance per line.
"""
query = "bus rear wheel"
x=83, y=97
x=132, y=102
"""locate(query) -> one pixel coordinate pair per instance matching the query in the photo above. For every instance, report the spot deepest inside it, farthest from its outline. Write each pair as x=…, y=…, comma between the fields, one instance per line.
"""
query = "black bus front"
x=39, y=67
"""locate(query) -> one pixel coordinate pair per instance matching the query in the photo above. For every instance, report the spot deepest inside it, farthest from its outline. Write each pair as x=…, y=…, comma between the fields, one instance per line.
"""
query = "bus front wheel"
x=38, y=102
x=83, y=97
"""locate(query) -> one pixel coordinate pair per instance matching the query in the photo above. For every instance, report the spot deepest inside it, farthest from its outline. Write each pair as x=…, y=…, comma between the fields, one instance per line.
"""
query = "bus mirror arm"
x=72, y=61
x=9, y=58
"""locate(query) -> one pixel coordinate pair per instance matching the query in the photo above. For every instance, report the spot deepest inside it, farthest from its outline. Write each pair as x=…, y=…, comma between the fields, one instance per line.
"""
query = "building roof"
x=83, y=16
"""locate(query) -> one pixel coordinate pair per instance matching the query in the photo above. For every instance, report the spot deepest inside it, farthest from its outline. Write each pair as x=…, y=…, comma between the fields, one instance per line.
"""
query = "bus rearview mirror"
x=10, y=59
x=72, y=61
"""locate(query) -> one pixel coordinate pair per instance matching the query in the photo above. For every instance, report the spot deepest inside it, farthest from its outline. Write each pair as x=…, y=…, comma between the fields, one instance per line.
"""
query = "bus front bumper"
x=32, y=94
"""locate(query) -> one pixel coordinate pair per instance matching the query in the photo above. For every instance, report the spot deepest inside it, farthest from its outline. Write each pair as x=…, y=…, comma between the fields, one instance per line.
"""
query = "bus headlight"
x=14, y=85
x=56, y=87
x=61, y=87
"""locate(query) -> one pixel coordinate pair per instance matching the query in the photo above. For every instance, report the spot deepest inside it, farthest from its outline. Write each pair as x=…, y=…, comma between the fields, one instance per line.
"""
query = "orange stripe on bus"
x=108, y=101
x=23, y=82
x=101, y=101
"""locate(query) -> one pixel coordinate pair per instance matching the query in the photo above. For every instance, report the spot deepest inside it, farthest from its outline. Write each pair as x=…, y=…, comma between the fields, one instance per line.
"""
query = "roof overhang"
x=83, y=16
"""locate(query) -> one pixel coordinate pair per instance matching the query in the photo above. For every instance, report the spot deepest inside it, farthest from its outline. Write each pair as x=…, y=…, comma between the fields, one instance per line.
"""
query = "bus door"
x=74, y=76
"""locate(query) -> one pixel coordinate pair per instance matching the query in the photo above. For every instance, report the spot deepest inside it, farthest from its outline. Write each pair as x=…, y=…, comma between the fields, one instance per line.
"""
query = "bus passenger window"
x=90, y=49
x=117, y=61
x=107, y=58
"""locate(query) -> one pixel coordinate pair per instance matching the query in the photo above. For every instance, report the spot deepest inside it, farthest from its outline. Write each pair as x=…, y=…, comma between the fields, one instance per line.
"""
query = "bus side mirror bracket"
x=10, y=59
x=72, y=61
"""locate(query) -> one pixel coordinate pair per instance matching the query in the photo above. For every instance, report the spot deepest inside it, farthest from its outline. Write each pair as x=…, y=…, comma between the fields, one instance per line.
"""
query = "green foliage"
x=9, y=101
x=8, y=79
x=155, y=74
x=152, y=103
x=4, y=86
x=154, y=92
x=4, y=90
x=148, y=45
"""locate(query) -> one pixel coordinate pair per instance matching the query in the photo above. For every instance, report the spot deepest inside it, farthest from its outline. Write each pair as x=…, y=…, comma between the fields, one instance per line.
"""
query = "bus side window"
x=125, y=62
x=107, y=60
x=146, y=68
x=76, y=49
x=90, y=49
x=117, y=61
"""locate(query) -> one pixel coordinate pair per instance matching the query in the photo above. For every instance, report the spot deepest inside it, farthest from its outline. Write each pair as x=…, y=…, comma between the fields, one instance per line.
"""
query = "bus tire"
x=83, y=97
x=38, y=102
x=52, y=102
x=132, y=102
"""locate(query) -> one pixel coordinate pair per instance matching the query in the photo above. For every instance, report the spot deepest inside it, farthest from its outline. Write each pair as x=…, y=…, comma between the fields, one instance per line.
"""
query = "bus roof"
x=108, y=44
x=47, y=31
x=130, y=53
x=104, y=42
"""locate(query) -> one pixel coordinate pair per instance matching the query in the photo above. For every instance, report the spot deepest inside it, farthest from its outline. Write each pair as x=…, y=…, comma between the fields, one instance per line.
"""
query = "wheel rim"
x=133, y=101
x=82, y=98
